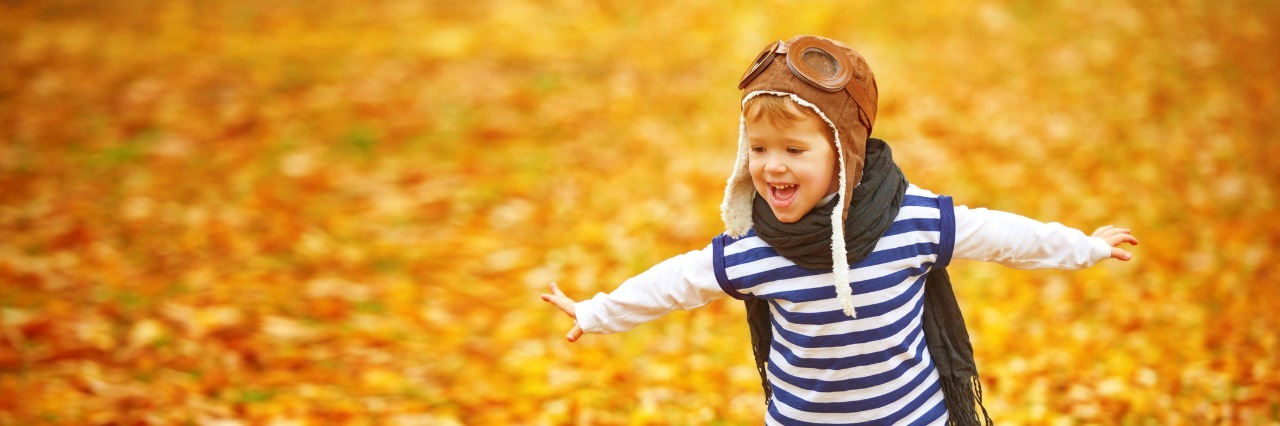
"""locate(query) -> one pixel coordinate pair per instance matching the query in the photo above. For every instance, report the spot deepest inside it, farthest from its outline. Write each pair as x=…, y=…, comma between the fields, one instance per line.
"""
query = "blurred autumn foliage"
x=342, y=212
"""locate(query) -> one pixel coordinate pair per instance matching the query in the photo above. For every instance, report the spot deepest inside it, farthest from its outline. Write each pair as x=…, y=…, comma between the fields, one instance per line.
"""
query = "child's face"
x=792, y=163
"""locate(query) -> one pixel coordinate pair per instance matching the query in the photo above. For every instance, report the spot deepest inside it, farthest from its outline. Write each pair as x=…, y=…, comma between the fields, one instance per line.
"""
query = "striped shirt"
x=827, y=368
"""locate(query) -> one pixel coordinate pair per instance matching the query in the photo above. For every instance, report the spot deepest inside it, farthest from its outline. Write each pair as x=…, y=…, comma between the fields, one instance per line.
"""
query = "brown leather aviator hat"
x=836, y=83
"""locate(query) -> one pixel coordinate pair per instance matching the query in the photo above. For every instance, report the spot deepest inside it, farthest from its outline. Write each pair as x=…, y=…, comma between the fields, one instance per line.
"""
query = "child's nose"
x=775, y=165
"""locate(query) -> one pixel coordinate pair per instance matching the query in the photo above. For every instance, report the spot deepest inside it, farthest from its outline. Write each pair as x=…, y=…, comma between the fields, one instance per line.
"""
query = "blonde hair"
x=773, y=107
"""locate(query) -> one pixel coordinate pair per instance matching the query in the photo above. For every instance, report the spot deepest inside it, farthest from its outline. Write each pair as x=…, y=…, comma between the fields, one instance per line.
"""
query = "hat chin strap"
x=839, y=257
x=739, y=191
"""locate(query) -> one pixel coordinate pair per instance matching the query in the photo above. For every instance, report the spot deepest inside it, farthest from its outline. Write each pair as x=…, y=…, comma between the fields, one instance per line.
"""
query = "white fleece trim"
x=735, y=211
x=739, y=191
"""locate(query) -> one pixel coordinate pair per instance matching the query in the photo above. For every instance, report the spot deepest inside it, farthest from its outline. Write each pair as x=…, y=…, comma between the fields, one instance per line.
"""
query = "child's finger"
x=1117, y=239
x=1120, y=254
x=1101, y=232
x=555, y=289
x=574, y=333
x=1114, y=231
x=564, y=303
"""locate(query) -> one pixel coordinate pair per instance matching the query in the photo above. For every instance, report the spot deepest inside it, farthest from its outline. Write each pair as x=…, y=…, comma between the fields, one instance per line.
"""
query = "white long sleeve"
x=686, y=281
x=1024, y=243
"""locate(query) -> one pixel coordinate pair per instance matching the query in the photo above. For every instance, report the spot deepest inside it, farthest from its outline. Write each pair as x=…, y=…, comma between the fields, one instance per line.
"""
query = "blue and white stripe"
x=828, y=368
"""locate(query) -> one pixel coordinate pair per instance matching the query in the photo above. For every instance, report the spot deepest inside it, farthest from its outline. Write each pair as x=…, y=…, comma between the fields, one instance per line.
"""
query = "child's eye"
x=794, y=150
x=757, y=148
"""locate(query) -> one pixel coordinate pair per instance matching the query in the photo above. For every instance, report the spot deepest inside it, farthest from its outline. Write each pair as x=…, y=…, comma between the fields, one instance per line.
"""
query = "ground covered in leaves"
x=341, y=212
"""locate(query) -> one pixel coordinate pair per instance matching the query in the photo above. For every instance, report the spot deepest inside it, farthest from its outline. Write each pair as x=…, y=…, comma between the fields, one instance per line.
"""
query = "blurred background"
x=343, y=212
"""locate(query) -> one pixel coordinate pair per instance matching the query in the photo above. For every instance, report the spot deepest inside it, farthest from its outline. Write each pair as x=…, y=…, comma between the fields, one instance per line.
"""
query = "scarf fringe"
x=962, y=396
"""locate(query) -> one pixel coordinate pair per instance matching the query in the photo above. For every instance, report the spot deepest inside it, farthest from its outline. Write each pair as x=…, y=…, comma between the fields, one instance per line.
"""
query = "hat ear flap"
x=853, y=159
x=849, y=168
x=739, y=191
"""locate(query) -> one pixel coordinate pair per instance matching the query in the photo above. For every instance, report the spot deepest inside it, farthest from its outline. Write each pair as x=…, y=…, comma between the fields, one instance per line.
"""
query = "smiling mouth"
x=782, y=194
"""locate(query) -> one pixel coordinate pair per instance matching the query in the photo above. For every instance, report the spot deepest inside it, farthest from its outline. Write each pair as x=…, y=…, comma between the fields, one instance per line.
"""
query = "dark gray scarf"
x=875, y=204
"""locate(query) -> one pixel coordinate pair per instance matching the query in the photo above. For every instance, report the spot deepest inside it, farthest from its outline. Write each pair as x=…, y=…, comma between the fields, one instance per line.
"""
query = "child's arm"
x=686, y=281
x=1023, y=243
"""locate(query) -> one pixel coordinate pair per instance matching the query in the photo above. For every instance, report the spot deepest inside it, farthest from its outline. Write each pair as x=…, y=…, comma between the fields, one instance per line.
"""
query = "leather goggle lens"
x=817, y=65
x=820, y=61
x=762, y=61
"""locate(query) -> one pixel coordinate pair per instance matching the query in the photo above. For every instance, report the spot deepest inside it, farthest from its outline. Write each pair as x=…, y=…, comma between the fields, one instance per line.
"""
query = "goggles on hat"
x=810, y=59
x=825, y=65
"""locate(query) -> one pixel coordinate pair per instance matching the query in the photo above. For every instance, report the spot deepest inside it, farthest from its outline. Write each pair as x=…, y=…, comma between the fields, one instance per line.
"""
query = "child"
x=838, y=256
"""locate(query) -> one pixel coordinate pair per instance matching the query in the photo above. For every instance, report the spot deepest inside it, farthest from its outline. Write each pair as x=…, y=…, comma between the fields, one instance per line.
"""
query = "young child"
x=841, y=260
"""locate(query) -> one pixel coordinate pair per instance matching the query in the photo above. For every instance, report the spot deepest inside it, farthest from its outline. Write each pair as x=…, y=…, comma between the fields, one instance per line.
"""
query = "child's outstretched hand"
x=565, y=304
x=1115, y=236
